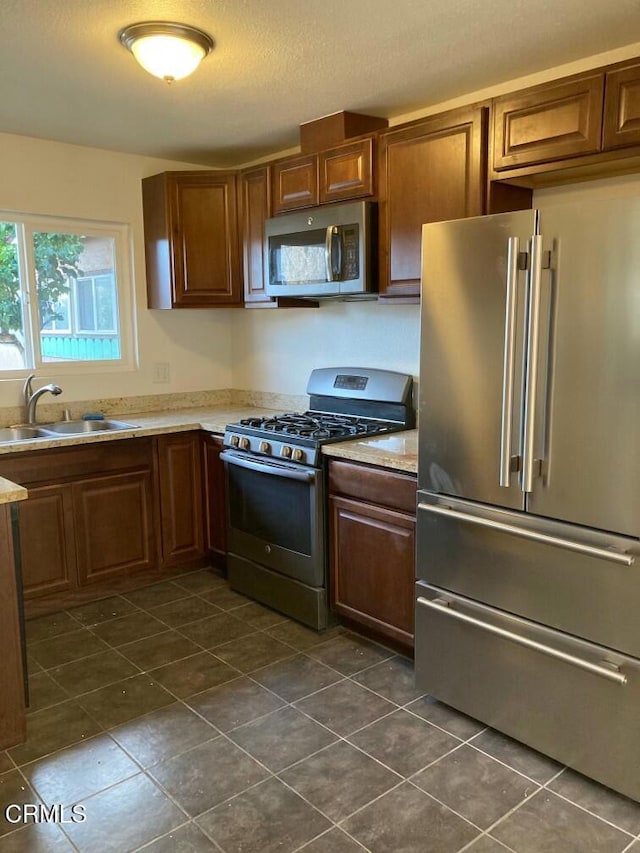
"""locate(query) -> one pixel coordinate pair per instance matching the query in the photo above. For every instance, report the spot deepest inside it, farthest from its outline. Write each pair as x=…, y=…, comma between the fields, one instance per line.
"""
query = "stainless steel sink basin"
x=22, y=433
x=75, y=427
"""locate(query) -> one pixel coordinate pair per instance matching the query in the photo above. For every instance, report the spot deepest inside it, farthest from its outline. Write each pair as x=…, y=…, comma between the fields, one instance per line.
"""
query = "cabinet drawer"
x=375, y=485
x=622, y=108
x=549, y=122
x=572, y=700
x=473, y=551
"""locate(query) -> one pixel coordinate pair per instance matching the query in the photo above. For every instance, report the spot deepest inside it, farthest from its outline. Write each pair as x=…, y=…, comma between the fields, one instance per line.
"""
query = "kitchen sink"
x=59, y=429
x=22, y=433
x=75, y=427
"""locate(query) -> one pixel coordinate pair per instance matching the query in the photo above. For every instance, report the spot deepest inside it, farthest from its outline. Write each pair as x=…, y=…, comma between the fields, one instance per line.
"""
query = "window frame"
x=120, y=233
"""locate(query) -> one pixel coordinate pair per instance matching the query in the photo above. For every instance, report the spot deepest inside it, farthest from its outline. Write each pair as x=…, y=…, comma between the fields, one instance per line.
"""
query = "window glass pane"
x=76, y=271
x=59, y=317
x=12, y=340
x=105, y=295
x=85, y=307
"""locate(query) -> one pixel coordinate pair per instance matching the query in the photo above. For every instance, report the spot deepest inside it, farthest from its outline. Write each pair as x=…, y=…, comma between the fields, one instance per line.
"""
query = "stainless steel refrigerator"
x=528, y=552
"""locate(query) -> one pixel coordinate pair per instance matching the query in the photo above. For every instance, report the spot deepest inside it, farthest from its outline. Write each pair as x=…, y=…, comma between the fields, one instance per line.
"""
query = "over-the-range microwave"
x=322, y=251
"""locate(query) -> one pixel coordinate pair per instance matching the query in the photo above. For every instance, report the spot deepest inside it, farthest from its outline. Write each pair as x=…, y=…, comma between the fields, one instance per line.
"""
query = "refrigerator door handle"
x=443, y=606
x=509, y=360
x=620, y=557
x=532, y=362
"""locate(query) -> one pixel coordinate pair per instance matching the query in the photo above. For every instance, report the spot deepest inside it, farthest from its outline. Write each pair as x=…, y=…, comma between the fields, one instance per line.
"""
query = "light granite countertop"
x=211, y=419
x=398, y=451
x=10, y=492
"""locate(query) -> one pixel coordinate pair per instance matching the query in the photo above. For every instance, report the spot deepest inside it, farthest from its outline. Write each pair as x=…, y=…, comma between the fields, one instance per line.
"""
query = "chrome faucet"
x=31, y=397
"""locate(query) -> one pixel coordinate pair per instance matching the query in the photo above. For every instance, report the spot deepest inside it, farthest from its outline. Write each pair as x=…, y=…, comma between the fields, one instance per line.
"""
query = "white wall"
x=275, y=350
x=52, y=178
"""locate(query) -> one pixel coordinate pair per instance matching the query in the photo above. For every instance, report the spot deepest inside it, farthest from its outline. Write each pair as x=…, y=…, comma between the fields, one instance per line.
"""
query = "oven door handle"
x=276, y=469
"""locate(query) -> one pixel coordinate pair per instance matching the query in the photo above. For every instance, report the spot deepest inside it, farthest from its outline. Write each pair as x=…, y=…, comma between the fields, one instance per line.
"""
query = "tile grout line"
x=341, y=677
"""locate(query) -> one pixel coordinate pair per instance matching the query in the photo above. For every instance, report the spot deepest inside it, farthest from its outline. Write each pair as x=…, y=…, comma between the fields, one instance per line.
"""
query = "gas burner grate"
x=317, y=425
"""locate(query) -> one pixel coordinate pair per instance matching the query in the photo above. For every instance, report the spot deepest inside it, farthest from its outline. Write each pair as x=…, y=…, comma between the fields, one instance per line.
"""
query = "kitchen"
x=260, y=351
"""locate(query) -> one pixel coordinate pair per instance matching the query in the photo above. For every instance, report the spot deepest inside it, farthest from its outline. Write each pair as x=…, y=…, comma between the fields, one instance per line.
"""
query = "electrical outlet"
x=161, y=372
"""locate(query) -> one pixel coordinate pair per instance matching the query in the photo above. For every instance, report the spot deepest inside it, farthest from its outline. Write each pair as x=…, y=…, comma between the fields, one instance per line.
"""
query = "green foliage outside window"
x=56, y=260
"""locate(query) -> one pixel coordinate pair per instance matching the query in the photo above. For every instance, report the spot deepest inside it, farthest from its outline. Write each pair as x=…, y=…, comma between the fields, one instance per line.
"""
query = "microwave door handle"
x=332, y=273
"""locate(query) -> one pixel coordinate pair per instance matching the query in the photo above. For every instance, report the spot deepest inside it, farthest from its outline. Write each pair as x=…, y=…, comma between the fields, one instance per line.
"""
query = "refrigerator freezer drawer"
x=572, y=700
x=577, y=580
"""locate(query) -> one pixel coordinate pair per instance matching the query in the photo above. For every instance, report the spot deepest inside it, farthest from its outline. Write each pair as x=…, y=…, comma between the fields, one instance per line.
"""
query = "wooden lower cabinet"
x=90, y=515
x=114, y=525
x=12, y=718
x=215, y=521
x=372, y=548
x=180, y=477
x=47, y=541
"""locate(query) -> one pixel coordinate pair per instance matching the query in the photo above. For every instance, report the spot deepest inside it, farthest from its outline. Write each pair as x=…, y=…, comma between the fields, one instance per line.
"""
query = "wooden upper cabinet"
x=191, y=240
x=549, y=122
x=428, y=171
x=346, y=172
x=622, y=108
x=255, y=208
x=295, y=183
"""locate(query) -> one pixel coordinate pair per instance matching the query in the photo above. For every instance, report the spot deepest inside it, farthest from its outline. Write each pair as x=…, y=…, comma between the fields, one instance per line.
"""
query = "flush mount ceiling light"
x=167, y=50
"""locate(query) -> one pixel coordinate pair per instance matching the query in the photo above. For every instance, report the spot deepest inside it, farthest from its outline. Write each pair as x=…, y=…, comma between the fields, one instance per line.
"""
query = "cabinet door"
x=549, y=122
x=295, y=183
x=373, y=566
x=215, y=498
x=255, y=194
x=346, y=172
x=205, y=240
x=622, y=108
x=47, y=544
x=114, y=525
x=432, y=170
x=180, y=476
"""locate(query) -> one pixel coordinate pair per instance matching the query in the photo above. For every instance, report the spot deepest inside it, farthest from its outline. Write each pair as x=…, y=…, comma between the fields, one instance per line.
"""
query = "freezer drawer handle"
x=609, y=554
x=442, y=606
x=509, y=360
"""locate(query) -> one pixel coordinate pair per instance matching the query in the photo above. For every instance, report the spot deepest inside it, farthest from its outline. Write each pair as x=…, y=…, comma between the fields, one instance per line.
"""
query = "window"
x=64, y=294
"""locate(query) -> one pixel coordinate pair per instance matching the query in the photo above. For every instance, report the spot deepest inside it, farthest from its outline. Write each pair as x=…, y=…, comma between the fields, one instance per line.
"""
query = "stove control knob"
x=245, y=444
x=298, y=455
x=286, y=451
x=265, y=447
x=234, y=441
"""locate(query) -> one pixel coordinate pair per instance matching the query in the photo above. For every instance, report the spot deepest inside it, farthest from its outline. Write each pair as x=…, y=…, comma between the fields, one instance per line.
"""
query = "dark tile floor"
x=186, y=718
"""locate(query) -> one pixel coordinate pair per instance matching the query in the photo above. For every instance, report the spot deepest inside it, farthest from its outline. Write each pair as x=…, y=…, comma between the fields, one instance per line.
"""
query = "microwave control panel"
x=350, y=253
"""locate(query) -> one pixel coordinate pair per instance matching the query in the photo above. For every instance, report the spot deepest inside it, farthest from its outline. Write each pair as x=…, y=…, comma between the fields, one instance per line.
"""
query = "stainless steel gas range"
x=275, y=485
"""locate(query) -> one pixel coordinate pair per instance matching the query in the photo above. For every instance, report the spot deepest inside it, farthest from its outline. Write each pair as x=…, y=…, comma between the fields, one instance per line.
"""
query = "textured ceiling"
x=277, y=63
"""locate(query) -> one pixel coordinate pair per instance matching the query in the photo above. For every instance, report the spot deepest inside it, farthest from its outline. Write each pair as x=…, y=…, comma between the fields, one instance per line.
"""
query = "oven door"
x=275, y=515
